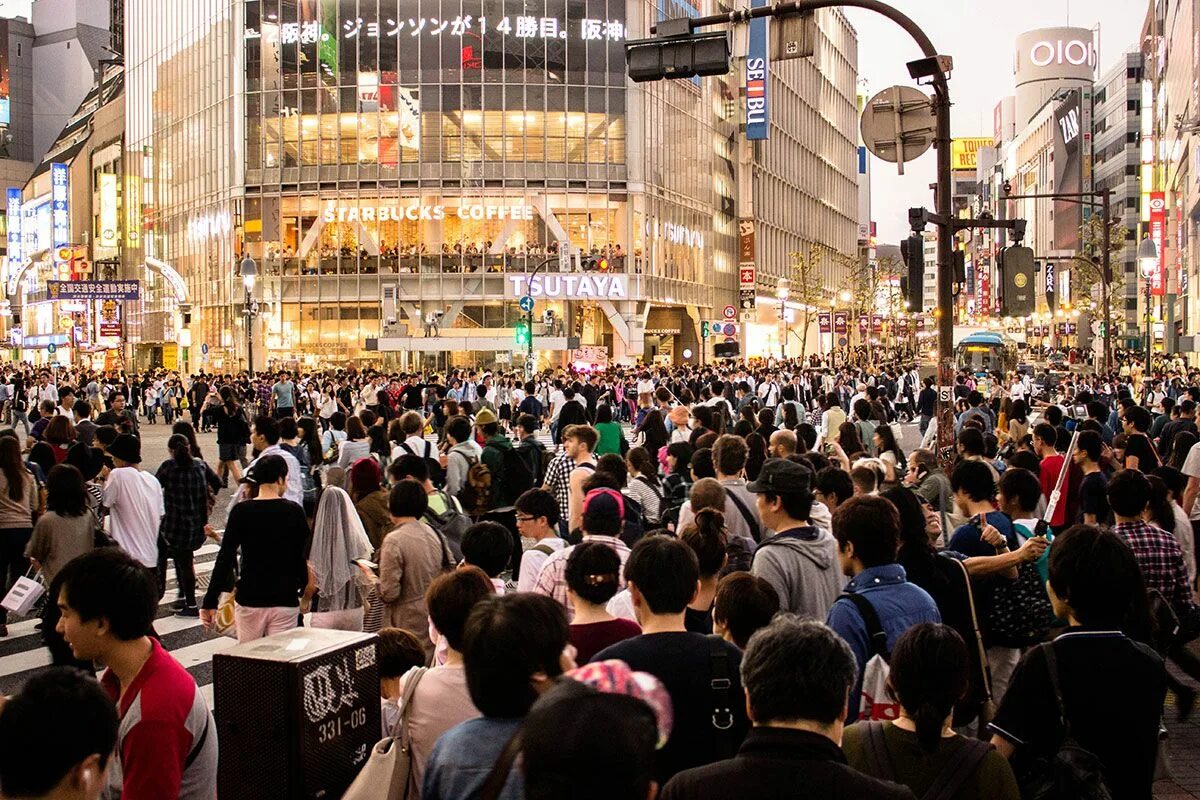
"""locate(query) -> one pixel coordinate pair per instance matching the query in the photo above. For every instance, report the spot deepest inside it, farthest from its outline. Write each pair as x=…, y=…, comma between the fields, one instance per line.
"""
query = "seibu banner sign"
x=1158, y=233
x=571, y=286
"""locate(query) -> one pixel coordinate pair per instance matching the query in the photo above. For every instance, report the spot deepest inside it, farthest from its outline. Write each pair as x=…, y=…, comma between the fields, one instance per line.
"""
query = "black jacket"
x=781, y=763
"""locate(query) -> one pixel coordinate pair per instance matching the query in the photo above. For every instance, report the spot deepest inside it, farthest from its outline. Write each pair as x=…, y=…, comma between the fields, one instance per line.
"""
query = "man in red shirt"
x=167, y=740
x=1044, y=438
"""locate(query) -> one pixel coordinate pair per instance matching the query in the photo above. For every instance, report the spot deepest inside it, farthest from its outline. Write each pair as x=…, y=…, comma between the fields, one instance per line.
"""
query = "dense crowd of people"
x=712, y=582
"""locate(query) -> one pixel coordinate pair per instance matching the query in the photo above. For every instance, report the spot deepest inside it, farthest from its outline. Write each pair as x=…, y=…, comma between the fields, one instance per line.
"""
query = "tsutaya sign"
x=415, y=213
x=571, y=286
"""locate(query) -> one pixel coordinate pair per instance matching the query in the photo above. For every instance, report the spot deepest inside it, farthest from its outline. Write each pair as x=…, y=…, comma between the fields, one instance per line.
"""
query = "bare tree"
x=807, y=287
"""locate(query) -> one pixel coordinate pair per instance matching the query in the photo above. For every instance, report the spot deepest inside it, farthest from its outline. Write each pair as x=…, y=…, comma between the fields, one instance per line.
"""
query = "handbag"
x=226, y=622
x=23, y=595
x=388, y=771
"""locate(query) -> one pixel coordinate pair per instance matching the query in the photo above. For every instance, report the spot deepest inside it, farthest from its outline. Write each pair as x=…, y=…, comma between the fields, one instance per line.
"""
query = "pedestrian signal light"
x=522, y=333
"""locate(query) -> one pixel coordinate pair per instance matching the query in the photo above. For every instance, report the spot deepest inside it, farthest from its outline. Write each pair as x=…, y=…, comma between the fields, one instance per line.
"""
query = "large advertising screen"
x=437, y=41
x=1068, y=170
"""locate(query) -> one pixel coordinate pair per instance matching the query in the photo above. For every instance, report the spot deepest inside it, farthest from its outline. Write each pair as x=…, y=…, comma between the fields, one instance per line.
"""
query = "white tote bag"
x=23, y=594
x=388, y=770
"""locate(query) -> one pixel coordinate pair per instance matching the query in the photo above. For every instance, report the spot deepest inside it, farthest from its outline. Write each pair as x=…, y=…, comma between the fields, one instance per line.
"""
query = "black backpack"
x=1073, y=772
x=635, y=521
x=515, y=480
x=437, y=475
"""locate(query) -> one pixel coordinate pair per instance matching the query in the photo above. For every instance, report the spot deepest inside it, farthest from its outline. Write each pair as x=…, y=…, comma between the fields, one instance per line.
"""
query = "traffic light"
x=521, y=333
x=960, y=266
x=677, y=57
x=913, y=251
x=704, y=329
x=1016, y=268
x=593, y=264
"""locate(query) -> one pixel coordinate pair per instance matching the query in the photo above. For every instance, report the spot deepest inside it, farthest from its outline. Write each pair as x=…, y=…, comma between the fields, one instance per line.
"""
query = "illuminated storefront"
x=388, y=166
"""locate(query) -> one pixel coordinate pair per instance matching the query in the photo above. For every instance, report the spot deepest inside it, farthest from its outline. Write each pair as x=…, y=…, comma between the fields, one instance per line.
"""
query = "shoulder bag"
x=388, y=771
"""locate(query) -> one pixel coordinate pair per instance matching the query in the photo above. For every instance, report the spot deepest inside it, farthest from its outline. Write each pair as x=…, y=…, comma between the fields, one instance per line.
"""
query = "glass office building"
x=392, y=165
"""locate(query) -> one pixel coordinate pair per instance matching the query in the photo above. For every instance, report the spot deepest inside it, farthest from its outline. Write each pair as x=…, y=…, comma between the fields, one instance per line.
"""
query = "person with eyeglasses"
x=537, y=519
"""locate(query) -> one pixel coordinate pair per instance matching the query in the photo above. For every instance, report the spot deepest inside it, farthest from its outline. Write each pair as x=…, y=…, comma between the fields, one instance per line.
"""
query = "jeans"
x=13, y=563
x=185, y=570
x=21, y=417
x=284, y=411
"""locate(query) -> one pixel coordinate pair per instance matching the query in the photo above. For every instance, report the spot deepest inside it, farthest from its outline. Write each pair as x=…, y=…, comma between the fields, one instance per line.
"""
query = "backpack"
x=452, y=524
x=1020, y=611
x=308, y=482
x=635, y=521
x=958, y=769
x=1072, y=772
x=475, y=496
x=517, y=478
x=437, y=475
x=533, y=454
x=876, y=701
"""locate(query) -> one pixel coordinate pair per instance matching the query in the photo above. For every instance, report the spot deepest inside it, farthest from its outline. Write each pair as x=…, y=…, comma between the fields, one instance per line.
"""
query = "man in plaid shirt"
x=1157, y=552
x=603, y=519
x=1161, y=561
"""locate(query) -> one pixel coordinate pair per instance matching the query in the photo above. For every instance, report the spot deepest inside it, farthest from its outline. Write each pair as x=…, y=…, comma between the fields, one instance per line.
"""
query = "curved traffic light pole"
x=934, y=67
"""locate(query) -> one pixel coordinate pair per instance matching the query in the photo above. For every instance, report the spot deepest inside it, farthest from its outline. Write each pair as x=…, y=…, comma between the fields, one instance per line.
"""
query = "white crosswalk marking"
x=22, y=652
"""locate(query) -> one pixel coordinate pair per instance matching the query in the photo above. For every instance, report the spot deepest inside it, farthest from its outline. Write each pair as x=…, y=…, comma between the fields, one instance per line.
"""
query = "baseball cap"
x=604, y=502
x=781, y=476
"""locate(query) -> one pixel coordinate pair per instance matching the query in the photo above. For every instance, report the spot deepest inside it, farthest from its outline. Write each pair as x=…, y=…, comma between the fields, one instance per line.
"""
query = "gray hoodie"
x=457, y=466
x=805, y=573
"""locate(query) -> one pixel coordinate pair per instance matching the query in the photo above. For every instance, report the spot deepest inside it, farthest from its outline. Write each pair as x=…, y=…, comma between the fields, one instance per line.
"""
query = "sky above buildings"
x=15, y=8
x=980, y=36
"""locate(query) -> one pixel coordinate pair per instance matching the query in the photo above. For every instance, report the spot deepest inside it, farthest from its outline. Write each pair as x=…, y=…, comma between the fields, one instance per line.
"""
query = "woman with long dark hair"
x=890, y=455
x=644, y=485
x=186, y=481
x=233, y=434
x=652, y=432
x=18, y=512
x=848, y=440
x=310, y=439
x=65, y=531
x=1181, y=445
x=928, y=676
x=756, y=454
x=184, y=428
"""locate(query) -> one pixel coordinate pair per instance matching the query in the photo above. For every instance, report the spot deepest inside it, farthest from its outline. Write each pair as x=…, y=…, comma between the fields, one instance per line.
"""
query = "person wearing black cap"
x=134, y=500
x=800, y=561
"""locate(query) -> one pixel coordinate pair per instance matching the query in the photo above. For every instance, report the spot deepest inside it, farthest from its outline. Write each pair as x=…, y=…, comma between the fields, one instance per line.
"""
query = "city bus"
x=986, y=352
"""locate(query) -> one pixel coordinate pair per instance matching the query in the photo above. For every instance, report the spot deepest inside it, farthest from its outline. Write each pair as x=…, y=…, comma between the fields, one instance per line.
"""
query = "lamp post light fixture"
x=1147, y=258
x=781, y=292
x=248, y=271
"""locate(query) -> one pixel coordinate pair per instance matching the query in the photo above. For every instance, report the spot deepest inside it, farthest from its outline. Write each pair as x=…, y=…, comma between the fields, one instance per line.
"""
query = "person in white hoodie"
x=800, y=560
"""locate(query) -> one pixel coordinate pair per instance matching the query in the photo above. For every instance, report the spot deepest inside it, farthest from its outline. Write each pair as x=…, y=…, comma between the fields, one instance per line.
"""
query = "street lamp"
x=1147, y=257
x=248, y=271
x=781, y=292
